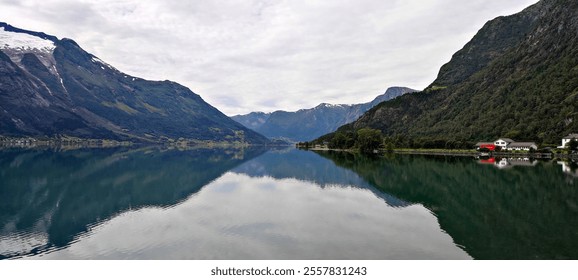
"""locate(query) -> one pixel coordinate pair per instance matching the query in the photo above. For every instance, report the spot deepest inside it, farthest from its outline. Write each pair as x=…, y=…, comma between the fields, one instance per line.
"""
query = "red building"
x=487, y=145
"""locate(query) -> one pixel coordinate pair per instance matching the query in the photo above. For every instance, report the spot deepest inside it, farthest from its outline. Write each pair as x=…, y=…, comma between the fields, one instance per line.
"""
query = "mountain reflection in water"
x=48, y=197
x=519, y=212
x=279, y=204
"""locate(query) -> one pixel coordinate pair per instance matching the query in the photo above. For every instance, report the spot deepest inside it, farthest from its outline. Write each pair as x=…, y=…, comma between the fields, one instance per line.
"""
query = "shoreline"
x=68, y=142
x=463, y=153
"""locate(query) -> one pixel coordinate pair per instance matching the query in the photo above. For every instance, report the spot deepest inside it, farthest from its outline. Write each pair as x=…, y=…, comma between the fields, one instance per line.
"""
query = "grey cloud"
x=254, y=55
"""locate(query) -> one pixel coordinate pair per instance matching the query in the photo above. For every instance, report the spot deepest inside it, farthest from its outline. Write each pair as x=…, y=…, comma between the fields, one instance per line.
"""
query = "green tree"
x=368, y=140
x=389, y=147
x=572, y=145
x=339, y=141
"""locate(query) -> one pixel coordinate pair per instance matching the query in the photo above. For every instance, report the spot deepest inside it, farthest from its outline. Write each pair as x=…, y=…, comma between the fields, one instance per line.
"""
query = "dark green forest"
x=517, y=78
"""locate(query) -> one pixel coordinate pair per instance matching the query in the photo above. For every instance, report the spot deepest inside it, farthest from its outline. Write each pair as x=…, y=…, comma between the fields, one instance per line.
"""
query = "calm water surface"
x=282, y=204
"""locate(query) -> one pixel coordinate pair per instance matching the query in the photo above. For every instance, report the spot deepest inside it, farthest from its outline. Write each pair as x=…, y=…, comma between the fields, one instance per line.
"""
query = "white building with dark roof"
x=567, y=139
x=503, y=142
x=507, y=144
x=522, y=146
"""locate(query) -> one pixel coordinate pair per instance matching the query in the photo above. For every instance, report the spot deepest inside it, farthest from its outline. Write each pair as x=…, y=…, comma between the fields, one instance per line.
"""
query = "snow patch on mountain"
x=24, y=42
x=328, y=105
x=102, y=63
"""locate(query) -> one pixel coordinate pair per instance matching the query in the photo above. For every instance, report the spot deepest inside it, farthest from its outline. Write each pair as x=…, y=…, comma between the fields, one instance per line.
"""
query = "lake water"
x=151, y=203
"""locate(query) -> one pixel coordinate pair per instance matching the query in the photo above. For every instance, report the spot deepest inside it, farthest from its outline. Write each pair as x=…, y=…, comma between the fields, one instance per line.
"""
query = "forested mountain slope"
x=517, y=78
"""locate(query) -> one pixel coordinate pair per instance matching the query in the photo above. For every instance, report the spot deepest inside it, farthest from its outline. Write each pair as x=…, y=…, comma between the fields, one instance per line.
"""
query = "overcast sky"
x=251, y=55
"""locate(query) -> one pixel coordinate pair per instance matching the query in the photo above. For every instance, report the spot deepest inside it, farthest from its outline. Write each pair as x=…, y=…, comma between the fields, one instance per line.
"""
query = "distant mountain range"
x=51, y=87
x=517, y=78
x=308, y=124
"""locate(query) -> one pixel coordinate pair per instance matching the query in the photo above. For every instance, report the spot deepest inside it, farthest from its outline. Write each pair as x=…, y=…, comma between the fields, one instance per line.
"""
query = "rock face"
x=307, y=124
x=53, y=87
x=516, y=78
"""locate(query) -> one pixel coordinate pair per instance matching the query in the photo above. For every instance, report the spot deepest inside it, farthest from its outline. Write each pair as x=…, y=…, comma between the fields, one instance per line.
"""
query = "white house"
x=503, y=142
x=567, y=139
x=507, y=144
x=522, y=146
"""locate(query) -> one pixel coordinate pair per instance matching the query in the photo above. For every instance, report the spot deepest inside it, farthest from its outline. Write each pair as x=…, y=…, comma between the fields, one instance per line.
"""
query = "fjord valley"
x=517, y=78
x=223, y=190
x=51, y=87
x=308, y=124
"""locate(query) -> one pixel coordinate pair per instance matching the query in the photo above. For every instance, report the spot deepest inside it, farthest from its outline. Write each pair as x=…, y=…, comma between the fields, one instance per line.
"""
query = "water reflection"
x=282, y=204
x=139, y=205
x=50, y=198
x=510, y=162
x=513, y=213
x=569, y=167
x=240, y=217
x=310, y=167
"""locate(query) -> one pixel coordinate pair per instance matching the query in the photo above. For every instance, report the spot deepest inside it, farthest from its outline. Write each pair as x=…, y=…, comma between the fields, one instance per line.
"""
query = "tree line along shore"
x=370, y=141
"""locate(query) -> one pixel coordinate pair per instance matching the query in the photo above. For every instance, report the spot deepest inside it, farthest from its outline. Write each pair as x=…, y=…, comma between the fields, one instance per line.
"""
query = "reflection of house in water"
x=509, y=162
x=570, y=168
x=491, y=161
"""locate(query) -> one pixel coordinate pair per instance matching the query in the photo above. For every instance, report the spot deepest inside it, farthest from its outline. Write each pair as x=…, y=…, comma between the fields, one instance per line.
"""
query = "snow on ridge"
x=24, y=42
x=328, y=105
x=99, y=61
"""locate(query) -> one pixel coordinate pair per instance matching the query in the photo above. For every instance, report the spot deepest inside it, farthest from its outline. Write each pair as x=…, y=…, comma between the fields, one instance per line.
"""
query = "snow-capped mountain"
x=53, y=87
x=308, y=124
x=13, y=39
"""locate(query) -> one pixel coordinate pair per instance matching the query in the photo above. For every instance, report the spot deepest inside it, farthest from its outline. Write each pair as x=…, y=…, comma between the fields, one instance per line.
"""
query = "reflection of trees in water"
x=60, y=194
x=517, y=213
x=307, y=166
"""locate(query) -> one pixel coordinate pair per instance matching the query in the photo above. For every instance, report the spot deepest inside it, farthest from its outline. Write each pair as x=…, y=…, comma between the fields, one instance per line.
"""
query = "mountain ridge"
x=307, y=124
x=516, y=78
x=57, y=88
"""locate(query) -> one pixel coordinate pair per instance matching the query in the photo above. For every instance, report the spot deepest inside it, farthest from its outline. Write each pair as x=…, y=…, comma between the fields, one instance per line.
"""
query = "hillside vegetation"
x=517, y=78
